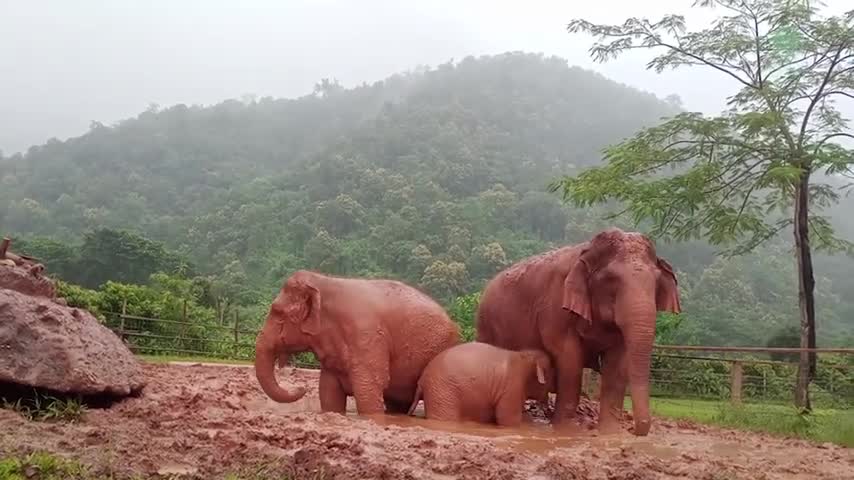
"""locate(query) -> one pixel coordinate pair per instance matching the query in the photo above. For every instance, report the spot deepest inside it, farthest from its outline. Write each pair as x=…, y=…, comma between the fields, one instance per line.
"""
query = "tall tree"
x=741, y=177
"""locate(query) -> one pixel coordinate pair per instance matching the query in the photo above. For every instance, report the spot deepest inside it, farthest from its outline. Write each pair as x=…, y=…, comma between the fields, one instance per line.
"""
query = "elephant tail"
x=415, y=399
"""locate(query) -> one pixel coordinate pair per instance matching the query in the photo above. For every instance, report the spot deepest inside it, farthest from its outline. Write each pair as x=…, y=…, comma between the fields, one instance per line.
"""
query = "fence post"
x=236, y=331
x=184, y=326
x=736, y=381
x=122, y=319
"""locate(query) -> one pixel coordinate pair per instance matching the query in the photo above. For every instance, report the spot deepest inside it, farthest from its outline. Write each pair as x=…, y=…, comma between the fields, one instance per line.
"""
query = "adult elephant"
x=372, y=337
x=584, y=303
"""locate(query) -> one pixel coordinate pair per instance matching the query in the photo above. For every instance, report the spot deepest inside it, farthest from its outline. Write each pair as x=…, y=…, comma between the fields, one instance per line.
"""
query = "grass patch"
x=178, y=358
x=823, y=425
x=43, y=407
x=46, y=466
x=42, y=466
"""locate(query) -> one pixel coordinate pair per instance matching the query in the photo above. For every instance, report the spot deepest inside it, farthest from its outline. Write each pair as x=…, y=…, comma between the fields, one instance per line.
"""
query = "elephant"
x=372, y=337
x=483, y=383
x=585, y=303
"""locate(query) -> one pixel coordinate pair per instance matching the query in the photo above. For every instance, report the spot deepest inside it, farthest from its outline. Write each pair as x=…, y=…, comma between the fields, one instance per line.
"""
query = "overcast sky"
x=65, y=63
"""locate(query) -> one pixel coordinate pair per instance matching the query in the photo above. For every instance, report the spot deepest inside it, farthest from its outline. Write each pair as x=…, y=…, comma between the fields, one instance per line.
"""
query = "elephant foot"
x=641, y=428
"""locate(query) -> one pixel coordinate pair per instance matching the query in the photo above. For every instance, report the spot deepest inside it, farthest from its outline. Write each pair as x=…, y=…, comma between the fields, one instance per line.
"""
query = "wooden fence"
x=733, y=373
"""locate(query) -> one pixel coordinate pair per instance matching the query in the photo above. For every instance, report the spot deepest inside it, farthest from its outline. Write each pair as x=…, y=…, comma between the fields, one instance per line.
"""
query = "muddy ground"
x=204, y=421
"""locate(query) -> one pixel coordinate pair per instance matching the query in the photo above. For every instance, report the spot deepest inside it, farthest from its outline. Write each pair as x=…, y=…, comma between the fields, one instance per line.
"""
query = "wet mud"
x=206, y=421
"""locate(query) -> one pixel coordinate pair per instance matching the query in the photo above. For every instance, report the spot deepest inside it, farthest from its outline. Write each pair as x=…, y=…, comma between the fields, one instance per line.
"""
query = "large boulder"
x=26, y=280
x=45, y=344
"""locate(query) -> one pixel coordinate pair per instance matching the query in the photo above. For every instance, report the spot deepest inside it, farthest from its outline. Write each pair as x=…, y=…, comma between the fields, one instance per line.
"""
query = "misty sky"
x=65, y=63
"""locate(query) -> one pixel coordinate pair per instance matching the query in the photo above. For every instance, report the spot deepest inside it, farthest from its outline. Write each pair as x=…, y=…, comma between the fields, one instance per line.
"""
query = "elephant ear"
x=667, y=291
x=312, y=322
x=576, y=293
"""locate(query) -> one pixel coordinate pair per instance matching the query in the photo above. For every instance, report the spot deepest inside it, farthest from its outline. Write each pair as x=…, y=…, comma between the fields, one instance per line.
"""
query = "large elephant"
x=483, y=383
x=372, y=337
x=586, y=303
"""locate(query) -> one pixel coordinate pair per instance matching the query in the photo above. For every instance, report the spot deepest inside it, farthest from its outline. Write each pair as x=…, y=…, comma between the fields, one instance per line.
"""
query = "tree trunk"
x=806, y=292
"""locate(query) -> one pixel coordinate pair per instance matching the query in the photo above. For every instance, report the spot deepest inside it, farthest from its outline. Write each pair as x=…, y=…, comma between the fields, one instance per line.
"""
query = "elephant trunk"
x=639, y=335
x=265, y=358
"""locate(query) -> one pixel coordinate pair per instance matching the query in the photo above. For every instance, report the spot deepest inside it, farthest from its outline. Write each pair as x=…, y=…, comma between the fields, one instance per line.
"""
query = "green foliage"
x=825, y=425
x=104, y=254
x=787, y=337
x=43, y=466
x=734, y=170
x=436, y=177
x=42, y=407
x=762, y=382
x=771, y=161
x=77, y=296
x=463, y=310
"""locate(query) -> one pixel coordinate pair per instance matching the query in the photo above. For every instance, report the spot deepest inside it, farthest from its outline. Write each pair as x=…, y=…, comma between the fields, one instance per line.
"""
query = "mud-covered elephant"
x=372, y=337
x=483, y=383
x=585, y=304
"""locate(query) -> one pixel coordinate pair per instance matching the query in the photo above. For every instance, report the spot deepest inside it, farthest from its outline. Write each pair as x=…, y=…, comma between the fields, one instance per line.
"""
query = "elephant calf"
x=483, y=383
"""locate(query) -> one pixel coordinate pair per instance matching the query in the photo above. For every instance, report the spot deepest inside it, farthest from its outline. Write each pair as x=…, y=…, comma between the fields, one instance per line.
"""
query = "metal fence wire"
x=735, y=374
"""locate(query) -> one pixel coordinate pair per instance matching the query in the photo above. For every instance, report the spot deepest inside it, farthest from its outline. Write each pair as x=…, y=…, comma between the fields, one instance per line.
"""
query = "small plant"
x=42, y=466
x=261, y=471
x=42, y=407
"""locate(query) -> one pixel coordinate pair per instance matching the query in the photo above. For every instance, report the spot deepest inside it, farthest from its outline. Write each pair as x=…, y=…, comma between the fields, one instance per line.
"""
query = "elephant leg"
x=332, y=396
x=570, y=365
x=612, y=391
x=369, y=380
x=508, y=411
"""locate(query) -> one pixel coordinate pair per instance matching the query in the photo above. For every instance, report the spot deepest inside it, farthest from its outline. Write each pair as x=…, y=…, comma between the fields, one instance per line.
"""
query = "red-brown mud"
x=204, y=421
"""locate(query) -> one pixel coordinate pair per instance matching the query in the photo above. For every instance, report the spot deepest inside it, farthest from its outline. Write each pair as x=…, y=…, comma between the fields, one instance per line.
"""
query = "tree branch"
x=709, y=63
x=828, y=137
x=808, y=113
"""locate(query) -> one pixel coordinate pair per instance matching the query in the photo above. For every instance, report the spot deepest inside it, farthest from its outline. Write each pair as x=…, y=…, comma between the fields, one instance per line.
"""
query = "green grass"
x=41, y=407
x=178, y=358
x=42, y=466
x=46, y=466
x=823, y=425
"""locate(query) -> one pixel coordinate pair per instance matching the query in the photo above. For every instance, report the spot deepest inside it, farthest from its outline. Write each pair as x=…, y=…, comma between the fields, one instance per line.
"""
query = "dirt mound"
x=26, y=280
x=46, y=344
x=201, y=421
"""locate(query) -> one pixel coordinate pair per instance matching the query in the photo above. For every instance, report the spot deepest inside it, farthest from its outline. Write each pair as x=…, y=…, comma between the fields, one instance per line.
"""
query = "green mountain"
x=436, y=176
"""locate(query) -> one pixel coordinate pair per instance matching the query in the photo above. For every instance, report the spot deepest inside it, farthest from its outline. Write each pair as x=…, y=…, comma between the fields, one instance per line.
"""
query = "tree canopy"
x=770, y=162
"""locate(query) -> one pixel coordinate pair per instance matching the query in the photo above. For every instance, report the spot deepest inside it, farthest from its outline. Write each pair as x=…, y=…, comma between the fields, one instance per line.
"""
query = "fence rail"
x=734, y=374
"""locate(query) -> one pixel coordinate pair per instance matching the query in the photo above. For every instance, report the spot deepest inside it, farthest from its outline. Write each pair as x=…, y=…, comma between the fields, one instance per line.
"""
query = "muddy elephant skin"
x=590, y=305
x=483, y=383
x=372, y=337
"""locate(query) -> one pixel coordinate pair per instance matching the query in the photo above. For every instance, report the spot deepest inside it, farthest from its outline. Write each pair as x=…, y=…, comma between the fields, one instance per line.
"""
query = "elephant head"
x=293, y=321
x=539, y=374
x=618, y=279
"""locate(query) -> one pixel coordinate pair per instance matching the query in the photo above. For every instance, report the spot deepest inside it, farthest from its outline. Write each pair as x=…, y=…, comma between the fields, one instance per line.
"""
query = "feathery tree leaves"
x=770, y=162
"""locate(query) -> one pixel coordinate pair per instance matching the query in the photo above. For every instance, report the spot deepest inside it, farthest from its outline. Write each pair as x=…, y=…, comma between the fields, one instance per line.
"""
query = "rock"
x=22, y=280
x=44, y=344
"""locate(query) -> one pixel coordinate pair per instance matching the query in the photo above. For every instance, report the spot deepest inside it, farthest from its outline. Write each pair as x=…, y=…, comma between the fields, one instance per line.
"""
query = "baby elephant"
x=483, y=383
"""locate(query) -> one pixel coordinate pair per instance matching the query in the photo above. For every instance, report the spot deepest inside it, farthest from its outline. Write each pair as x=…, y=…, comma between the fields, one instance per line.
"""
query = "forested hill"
x=436, y=176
